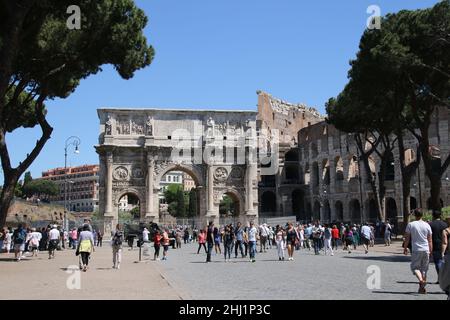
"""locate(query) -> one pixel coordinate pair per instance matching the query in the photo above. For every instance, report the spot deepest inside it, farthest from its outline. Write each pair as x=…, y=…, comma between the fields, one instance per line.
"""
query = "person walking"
x=419, y=233
x=245, y=241
x=178, y=236
x=291, y=239
x=327, y=236
x=85, y=247
x=8, y=240
x=157, y=245
x=316, y=234
x=19, y=238
x=202, y=241
x=437, y=227
x=217, y=240
x=334, y=237
x=372, y=235
x=210, y=240
x=53, y=241
x=445, y=254
x=74, y=238
x=239, y=236
x=228, y=242
x=263, y=235
x=35, y=237
x=387, y=233
x=186, y=235
x=348, y=236
x=308, y=236
x=99, y=238
x=252, y=231
x=2, y=238
x=280, y=242
x=165, y=242
x=117, y=244
x=366, y=235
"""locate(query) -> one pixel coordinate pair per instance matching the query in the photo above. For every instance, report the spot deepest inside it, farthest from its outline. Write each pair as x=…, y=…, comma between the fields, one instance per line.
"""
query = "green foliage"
x=125, y=216
x=226, y=205
x=181, y=206
x=136, y=212
x=192, y=204
x=172, y=208
x=41, y=187
x=18, y=192
x=171, y=192
x=41, y=59
x=53, y=58
x=27, y=178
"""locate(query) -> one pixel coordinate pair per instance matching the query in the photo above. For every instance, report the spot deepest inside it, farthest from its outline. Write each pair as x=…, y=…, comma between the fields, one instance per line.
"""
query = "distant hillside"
x=32, y=213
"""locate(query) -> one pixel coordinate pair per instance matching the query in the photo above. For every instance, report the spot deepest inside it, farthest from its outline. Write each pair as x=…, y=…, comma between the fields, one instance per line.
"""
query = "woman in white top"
x=33, y=245
x=279, y=240
x=85, y=246
x=8, y=240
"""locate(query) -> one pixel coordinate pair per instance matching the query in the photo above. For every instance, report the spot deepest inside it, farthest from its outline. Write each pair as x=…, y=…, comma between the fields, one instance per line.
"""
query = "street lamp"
x=71, y=141
x=361, y=205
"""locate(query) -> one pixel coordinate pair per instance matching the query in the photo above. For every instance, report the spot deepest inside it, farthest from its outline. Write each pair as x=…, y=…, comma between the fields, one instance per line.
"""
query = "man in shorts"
x=419, y=234
x=366, y=234
x=54, y=237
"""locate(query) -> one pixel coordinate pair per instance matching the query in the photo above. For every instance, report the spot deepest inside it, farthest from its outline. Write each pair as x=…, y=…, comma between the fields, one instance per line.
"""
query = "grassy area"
x=428, y=215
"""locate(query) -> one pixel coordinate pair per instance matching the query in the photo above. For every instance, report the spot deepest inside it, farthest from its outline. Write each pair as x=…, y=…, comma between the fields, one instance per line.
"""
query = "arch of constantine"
x=216, y=148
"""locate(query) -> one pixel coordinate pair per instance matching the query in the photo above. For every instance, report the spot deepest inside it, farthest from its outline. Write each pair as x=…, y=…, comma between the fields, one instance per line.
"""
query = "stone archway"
x=129, y=191
x=138, y=146
x=268, y=203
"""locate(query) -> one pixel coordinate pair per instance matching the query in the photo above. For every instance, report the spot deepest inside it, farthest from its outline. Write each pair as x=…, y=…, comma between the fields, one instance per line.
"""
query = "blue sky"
x=215, y=54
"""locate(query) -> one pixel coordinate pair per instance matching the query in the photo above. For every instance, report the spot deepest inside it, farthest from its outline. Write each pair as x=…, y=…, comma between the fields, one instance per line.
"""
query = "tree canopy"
x=41, y=187
x=41, y=58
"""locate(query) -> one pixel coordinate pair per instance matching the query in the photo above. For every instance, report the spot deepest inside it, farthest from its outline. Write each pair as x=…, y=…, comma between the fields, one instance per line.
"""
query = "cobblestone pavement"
x=342, y=276
x=185, y=275
x=41, y=278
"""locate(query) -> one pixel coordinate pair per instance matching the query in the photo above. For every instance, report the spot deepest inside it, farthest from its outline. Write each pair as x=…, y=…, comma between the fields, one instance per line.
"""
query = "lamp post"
x=71, y=141
x=361, y=205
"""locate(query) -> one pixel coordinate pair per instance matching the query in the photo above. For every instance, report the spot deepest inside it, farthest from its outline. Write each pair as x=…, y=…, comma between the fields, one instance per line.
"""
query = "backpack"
x=19, y=238
x=118, y=239
x=327, y=233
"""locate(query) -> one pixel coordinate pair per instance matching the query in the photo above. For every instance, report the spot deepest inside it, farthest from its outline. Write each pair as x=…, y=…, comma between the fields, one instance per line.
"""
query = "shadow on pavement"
x=14, y=260
x=382, y=258
x=410, y=293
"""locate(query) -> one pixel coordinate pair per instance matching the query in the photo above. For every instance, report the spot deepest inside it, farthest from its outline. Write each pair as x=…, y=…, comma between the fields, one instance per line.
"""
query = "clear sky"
x=215, y=54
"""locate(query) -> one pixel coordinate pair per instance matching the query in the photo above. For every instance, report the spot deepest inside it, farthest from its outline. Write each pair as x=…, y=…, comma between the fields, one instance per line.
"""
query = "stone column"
x=108, y=185
x=332, y=176
x=150, y=213
x=210, y=191
x=249, y=177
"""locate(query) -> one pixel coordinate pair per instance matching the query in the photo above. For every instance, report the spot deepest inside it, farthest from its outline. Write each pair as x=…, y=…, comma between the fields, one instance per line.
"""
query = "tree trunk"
x=370, y=178
x=6, y=196
x=407, y=171
x=433, y=175
x=406, y=193
x=382, y=187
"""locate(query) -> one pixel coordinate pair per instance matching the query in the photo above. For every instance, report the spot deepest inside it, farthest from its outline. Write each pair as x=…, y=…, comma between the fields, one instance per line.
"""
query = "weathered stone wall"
x=138, y=146
x=322, y=148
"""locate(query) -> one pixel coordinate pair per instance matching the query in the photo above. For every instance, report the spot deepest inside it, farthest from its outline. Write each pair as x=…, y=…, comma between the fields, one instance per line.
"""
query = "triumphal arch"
x=216, y=148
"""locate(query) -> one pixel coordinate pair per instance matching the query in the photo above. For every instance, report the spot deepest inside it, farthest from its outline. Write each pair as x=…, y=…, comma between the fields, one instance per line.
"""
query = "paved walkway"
x=342, y=276
x=41, y=278
x=185, y=275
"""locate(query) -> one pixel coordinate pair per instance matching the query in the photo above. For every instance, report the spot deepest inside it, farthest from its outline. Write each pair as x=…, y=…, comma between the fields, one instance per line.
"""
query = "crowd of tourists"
x=28, y=242
x=425, y=241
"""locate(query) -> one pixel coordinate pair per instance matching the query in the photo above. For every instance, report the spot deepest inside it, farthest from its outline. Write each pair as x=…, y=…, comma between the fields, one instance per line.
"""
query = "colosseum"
x=319, y=175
